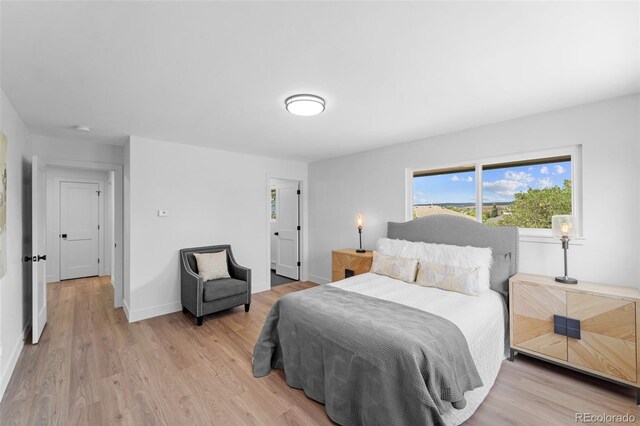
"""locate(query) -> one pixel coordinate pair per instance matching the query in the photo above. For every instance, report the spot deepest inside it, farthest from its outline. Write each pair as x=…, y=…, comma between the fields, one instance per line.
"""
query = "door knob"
x=276, y=233
x=27, y=258
x=42, y=257
x=64, y=236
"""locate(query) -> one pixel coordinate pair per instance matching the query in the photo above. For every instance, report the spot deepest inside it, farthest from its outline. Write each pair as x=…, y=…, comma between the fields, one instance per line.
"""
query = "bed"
x=376, y=350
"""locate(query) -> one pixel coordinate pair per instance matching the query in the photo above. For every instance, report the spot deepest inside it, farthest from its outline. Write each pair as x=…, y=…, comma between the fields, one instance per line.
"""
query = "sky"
x=498, y=185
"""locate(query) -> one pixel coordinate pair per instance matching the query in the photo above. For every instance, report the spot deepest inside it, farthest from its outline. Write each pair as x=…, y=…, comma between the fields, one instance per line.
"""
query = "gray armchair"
x=203, y=298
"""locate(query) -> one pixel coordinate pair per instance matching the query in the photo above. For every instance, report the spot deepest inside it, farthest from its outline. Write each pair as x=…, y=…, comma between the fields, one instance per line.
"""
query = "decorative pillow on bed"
x=446, y=277
x=444, y=254
x=212, y=266
x=399, y=268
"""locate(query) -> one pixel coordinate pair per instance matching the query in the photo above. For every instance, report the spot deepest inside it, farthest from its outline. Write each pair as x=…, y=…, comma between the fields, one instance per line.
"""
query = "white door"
x=288, y=233
x=39, y=248
x=79, y=229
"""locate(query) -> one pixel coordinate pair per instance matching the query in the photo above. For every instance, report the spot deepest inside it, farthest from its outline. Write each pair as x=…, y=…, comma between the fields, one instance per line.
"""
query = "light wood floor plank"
x=92, y=367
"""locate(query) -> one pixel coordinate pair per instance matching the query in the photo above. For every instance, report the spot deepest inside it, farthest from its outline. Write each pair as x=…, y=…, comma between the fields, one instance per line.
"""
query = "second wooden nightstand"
x=587, y=327
x=346, y=263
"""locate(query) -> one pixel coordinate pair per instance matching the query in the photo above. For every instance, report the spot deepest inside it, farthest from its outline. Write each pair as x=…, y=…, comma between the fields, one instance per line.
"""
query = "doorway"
x=48, y=178
x=284, y=231
x=80, y=217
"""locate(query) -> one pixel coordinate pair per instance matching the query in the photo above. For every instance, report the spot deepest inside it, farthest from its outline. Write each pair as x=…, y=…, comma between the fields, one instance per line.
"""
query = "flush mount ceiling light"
x=305, y=105
x=83, y=128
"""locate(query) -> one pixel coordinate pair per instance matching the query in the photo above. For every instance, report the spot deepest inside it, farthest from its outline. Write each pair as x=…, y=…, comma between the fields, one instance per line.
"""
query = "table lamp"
x=360, y=224
x=562, y=227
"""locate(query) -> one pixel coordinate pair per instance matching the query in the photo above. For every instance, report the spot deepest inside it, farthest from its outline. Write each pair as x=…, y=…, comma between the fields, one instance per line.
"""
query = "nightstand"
x=587, y=327
x=346, y=263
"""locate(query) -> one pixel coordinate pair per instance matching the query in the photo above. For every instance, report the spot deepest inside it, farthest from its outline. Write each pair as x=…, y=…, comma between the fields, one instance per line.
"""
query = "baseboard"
x=125, y=306
x=154, y=311
x=318, y=280
x=13, y=360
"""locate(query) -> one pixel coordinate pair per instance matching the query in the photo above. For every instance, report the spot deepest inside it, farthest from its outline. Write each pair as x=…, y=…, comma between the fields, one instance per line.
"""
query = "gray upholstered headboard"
x=459, y=231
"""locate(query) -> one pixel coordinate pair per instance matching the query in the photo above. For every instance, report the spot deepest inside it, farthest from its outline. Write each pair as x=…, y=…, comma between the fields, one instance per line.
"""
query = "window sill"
x=530, y=237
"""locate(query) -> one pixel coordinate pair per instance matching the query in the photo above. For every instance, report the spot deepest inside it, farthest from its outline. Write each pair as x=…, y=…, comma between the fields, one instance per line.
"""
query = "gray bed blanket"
x=370, y=361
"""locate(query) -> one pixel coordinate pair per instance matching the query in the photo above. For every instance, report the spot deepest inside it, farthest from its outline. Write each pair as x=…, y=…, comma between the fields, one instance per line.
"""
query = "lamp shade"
x=563, y=226
x=360, y=220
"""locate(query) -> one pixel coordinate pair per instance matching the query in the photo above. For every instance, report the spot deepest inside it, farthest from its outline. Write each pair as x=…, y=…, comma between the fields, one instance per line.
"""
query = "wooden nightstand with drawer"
x=346, y=263
x=588, y=327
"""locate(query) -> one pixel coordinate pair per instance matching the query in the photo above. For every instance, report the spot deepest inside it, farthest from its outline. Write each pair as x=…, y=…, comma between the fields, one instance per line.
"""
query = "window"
x=516, y=192
x=446, y=191
x=273, y=204
x=526, y=194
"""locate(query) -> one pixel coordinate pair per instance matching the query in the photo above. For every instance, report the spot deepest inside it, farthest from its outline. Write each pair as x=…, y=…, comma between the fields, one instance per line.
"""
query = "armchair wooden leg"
x=199, y=319
x=246, y=307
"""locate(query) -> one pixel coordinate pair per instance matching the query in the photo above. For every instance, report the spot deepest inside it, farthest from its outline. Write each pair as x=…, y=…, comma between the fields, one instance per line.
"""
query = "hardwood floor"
x=91, y=367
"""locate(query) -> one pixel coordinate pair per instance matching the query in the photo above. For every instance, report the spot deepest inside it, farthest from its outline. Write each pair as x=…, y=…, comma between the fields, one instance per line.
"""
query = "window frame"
x=526, y=234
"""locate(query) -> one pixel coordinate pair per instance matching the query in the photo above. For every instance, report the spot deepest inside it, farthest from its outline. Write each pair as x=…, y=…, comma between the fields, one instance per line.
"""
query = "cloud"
x=544, y=170
x=469, y=179
x=544, y=183
x=505, y=188
x=420, y=198
x=518, y=176
x=455, y=178
x=558, y=169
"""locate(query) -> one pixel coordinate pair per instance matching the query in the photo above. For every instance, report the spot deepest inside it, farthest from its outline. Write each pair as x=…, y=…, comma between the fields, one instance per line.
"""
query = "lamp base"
x=361, y=251
x=566, y=280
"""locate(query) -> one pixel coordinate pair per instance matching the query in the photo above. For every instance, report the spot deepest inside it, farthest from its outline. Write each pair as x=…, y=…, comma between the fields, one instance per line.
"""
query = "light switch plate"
x=163, y=213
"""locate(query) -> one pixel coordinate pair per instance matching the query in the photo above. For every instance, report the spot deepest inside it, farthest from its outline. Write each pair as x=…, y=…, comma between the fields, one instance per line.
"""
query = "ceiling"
x=217, y=73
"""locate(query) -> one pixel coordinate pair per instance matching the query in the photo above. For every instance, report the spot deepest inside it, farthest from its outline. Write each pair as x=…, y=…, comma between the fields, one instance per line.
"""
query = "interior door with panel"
x=79, y=230
x=39, y=248
x=287, y=199
x=533, y=327
x=607, y=338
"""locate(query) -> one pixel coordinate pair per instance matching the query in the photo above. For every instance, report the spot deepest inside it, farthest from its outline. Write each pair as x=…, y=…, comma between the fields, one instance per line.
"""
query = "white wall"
x=213, y=197
x=77, y=150
x=15, y=286
x=111, y=225
x=54, y=176
x=126, y=240
x=373, y=182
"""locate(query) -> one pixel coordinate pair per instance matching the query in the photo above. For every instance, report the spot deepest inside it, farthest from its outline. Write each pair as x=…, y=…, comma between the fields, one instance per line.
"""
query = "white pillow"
x=463, y=257
x=395, y=267
x=212, y=266
x=451, y=278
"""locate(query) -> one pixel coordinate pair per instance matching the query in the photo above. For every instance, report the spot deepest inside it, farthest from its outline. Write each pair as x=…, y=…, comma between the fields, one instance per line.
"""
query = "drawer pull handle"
x=564, y=326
